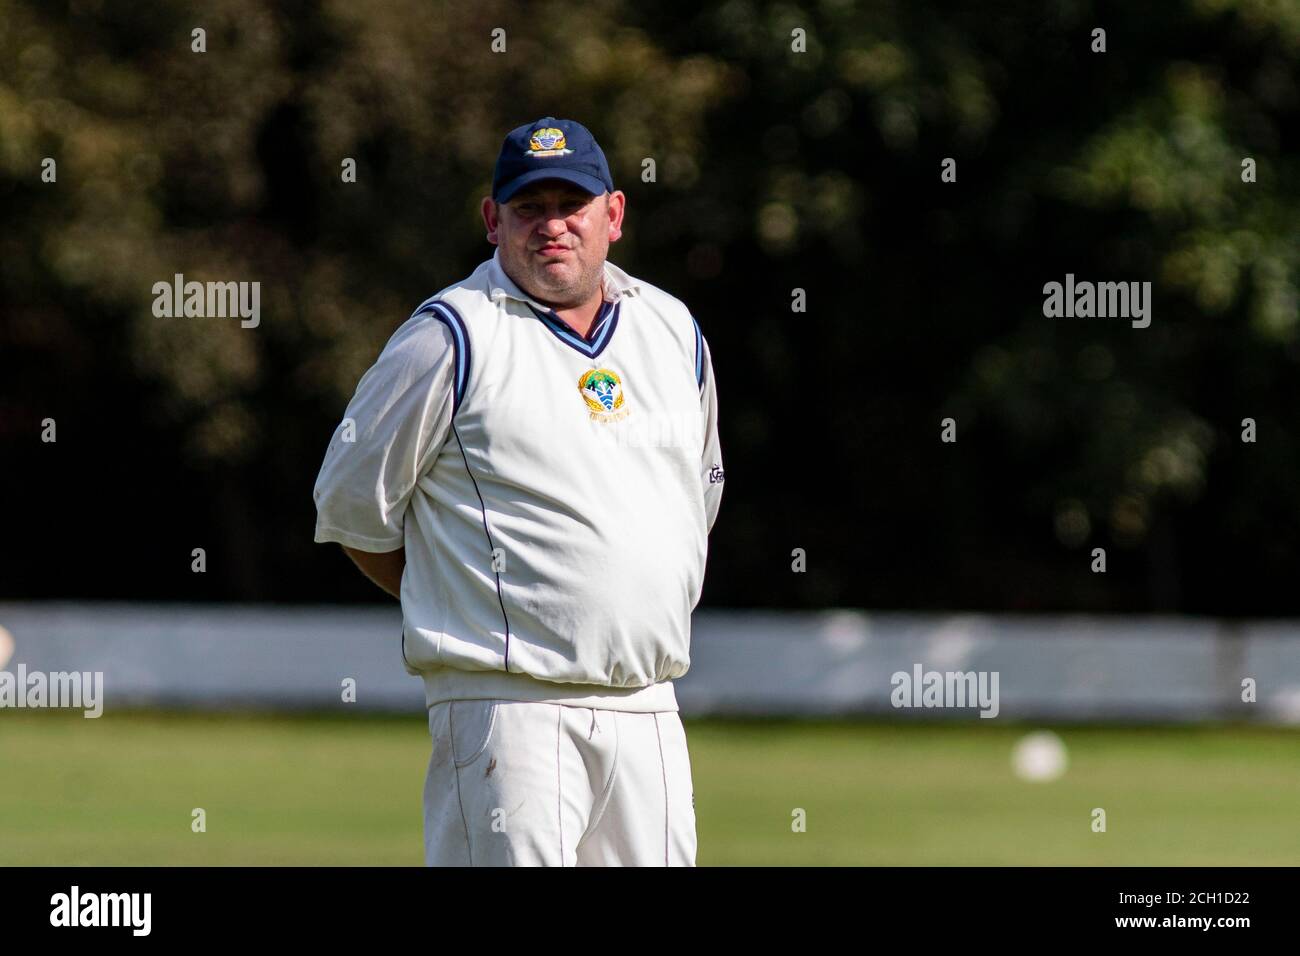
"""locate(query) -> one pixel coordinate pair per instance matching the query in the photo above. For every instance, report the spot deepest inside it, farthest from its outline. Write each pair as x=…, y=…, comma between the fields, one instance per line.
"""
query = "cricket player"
x=532, y=467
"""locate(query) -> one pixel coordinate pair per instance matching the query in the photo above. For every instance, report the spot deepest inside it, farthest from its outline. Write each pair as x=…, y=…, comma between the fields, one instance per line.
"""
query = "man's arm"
x=384, y=569
x=711, y=472
x=392, y=431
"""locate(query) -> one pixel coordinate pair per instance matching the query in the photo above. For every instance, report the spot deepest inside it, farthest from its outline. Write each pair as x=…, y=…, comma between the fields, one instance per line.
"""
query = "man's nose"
x=553, y=225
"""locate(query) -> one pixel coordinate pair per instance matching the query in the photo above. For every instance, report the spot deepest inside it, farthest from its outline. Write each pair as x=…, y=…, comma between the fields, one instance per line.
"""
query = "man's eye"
x=527, y=209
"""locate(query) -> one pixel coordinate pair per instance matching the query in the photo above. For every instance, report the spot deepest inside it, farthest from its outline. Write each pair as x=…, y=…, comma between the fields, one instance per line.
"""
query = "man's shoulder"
x=439, y=320
x=426, y=338
x=674, y=315
x=656, y=298
x=464, y=296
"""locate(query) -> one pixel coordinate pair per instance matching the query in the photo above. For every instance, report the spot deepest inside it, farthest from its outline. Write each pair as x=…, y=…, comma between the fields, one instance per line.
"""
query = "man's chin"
x=557, y=279
x=557, y=282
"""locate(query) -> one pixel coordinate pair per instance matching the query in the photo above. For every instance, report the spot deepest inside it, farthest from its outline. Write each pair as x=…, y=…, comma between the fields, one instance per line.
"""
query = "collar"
x=615, y=286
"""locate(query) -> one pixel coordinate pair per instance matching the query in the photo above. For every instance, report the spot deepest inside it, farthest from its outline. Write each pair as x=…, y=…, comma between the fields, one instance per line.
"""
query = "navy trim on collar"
x=601, y=331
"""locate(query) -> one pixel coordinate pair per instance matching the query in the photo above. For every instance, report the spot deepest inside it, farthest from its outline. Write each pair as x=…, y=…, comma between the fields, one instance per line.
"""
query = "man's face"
x=553, y=238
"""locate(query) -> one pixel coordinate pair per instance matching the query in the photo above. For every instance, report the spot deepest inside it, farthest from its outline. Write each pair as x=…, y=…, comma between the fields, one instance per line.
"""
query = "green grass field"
x=322, y=790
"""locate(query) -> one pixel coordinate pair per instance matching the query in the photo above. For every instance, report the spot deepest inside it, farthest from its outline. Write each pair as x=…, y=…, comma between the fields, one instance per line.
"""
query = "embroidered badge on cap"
x=547, y=141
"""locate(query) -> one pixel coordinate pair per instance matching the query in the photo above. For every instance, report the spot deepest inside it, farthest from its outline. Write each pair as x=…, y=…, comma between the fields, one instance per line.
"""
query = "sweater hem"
x=448, y=683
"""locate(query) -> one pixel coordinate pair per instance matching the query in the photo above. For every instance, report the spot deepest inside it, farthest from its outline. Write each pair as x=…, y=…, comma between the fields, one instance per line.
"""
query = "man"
x=532, y=467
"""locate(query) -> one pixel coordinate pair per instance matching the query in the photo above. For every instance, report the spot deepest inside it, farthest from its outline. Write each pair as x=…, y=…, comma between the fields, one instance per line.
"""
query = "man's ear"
x=615, y=204
x=491, y=217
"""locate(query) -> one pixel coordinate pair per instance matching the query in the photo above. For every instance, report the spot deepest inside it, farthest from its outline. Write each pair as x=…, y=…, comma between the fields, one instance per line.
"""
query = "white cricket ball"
x=1039, y=757
x=6, y=646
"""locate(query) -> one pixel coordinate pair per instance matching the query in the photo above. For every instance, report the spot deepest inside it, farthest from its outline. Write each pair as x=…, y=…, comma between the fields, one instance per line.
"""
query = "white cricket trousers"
x=516, y=783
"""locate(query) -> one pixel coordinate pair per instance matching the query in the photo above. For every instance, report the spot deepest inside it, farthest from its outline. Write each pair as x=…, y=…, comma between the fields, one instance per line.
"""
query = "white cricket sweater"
x=554, y=494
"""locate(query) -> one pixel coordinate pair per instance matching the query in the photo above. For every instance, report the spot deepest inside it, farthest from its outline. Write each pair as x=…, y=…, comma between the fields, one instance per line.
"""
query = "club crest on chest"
x=602, y=391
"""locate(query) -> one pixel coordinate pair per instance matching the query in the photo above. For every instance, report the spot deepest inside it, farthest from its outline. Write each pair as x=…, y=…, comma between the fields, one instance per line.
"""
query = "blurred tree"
x=776, y=170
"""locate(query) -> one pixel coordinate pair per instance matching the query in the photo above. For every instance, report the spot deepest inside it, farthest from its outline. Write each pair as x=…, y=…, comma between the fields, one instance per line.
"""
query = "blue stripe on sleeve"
x=699, y=354
x=449, y=317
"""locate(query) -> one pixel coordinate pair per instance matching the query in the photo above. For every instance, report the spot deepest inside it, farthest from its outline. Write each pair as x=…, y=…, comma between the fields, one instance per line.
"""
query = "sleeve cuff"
x=324, y=533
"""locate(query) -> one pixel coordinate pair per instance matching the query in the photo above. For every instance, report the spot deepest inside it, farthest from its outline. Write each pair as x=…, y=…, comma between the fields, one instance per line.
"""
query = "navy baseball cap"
x=550, y=149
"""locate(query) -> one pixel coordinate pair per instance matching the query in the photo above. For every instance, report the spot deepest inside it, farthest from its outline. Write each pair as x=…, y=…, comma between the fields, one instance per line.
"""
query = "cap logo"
x=547, y=141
